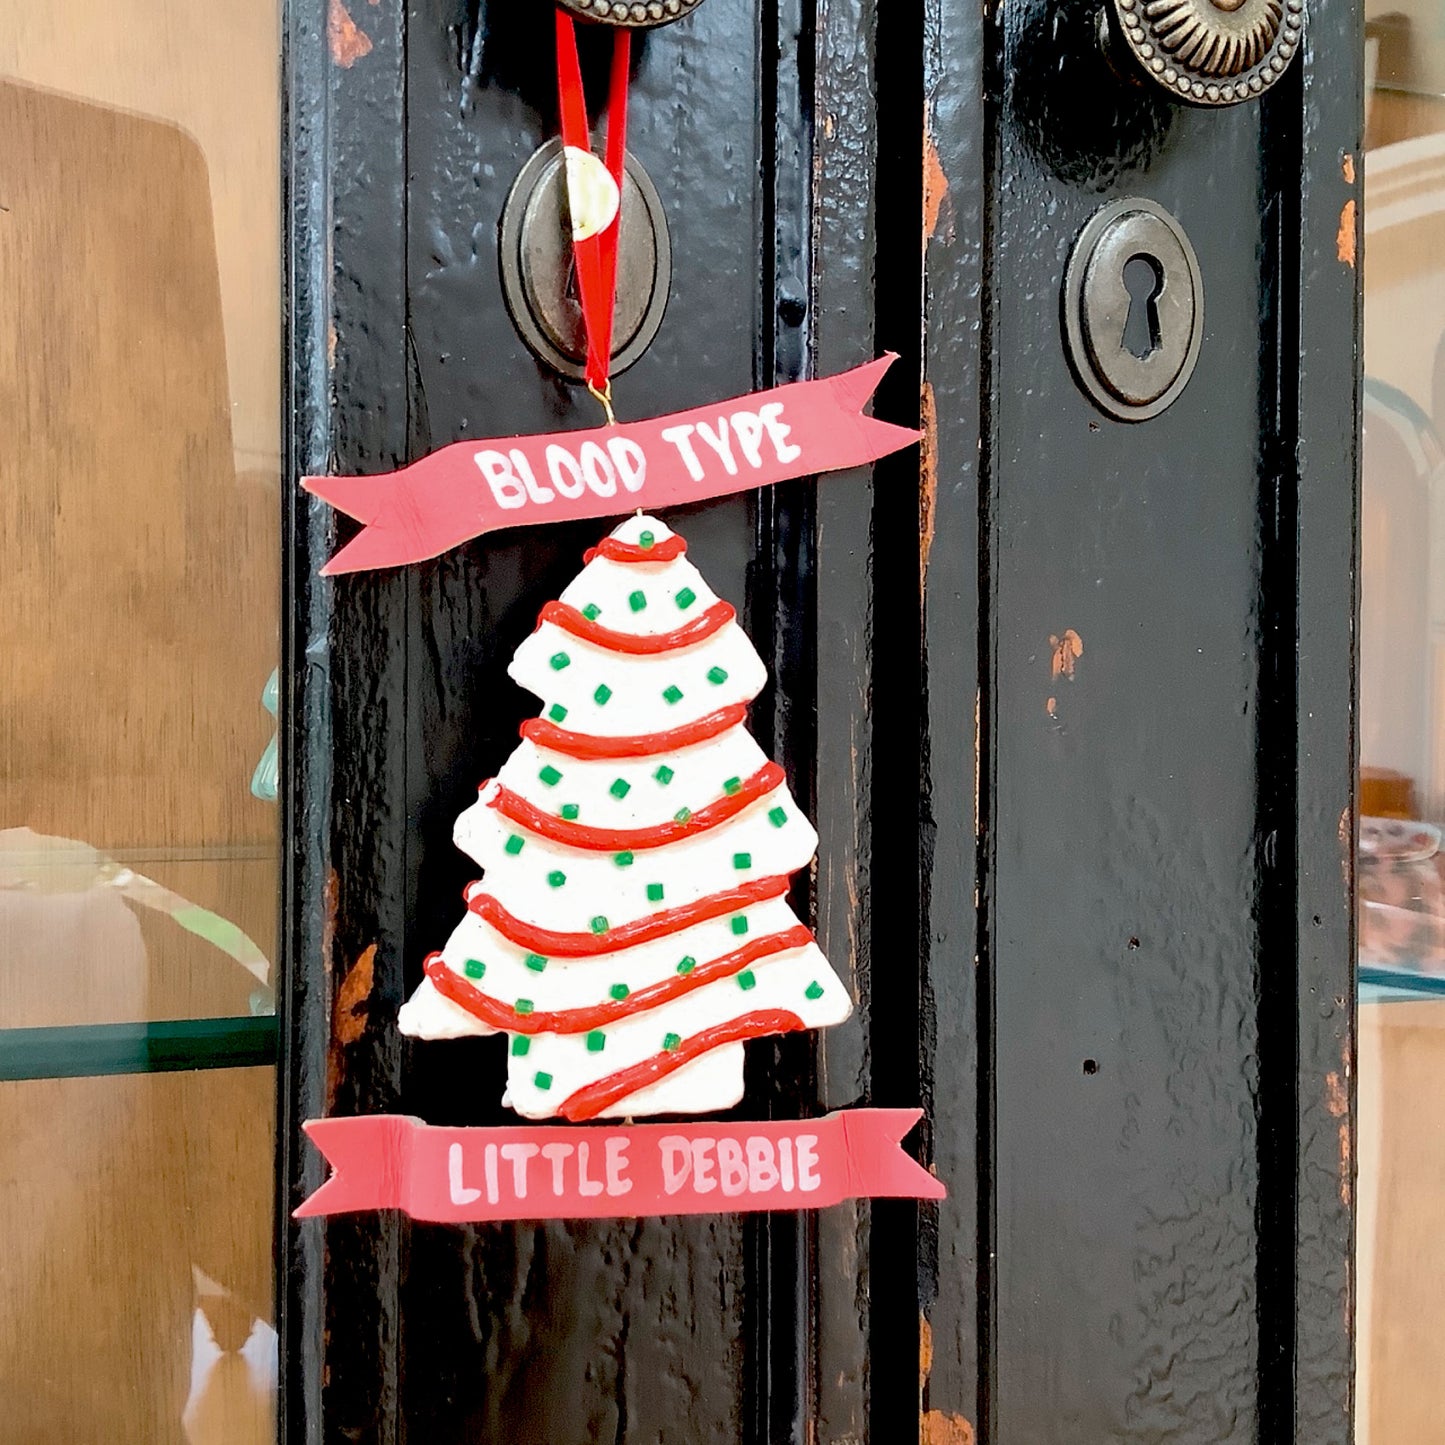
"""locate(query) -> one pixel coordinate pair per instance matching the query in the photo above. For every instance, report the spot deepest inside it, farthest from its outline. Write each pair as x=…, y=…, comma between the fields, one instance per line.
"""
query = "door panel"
x=1068, y=698
x=1127, y=1001
x=723, y=1298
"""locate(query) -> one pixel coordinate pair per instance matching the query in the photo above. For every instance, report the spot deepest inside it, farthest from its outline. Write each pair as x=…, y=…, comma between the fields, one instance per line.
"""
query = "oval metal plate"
x=538, y=279
x=1097, y=309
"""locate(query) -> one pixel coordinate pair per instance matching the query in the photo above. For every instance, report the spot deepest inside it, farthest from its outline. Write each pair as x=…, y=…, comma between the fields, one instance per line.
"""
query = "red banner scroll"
x=470, y=488
x=389, y=1161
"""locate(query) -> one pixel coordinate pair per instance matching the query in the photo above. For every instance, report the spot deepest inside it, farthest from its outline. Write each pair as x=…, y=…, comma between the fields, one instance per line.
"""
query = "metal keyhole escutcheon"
x=538, y=276
x=1133, y=309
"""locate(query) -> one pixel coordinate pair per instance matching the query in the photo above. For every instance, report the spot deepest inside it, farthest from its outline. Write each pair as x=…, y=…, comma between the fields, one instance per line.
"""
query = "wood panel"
x=138, y=573
x=118, y=1191
x=159, y=58
x=1402, y=1257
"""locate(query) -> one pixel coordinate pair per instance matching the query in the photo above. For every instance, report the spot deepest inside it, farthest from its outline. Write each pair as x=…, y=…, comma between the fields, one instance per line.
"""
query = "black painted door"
x=1069, y=698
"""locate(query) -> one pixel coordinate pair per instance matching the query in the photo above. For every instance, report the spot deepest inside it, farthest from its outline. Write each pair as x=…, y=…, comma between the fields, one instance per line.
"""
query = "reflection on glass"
x=1401, y=1249
x=137, y=1275
x=139, y=282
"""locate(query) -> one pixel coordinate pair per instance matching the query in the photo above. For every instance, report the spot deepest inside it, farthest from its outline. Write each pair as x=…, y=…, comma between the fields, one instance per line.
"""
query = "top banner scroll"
x=471, y=488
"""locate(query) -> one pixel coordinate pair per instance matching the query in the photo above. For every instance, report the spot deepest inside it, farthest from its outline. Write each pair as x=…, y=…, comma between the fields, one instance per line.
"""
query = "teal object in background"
x=266, y=780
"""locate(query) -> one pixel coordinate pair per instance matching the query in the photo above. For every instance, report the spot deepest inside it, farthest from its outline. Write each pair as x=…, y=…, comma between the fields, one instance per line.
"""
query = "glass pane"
x=139, y=364
x=139, y=551
x=1401, y=1241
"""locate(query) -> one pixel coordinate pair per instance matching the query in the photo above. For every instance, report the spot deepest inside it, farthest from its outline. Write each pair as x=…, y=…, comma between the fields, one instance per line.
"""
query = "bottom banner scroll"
x=390, y=1161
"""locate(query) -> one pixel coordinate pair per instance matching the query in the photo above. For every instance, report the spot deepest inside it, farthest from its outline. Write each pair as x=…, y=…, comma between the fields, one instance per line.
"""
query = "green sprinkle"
x=620, y=788
x=592, y=612
x=550, y=776
x=536, y=962
x=685, y=598
x=542, y=1080
x=474, y=968
x=599, y=924
x=814, y=990
x=646, y=540
x=732, y=786
x=521, y=1045
x=664, y=775
x=559, y=660
x=742, y=860
x=602, y=695
x=672, y=1043
x=515, y=844
x=716, y=675
x=740, y=925
x=747, y=979
x=673, y=695
x=524, y=1006
x=619, y=991
x=557, y=878
x=777, y=817
x=687, y=965
x=571, y=812
x=683, y=815
x=637, y=601
x=654, y=892
x=557, y=712
x=623, y=860
x=596, y=1041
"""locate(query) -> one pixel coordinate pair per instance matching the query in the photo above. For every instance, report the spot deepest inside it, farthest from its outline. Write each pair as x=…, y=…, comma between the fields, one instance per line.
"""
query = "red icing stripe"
x=589, y=1102
x=504, y=1017
x=552, y=944
x=667, y=550
x=641, y=745
x=567, y=617
x=618, y=840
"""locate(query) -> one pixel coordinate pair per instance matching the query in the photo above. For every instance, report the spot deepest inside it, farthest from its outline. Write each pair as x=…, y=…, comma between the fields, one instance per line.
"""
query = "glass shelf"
x=167, y=1046
x=1399, y=985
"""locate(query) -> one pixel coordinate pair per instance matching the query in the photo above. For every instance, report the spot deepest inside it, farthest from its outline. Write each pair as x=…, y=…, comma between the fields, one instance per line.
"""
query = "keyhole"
x=1143, y=280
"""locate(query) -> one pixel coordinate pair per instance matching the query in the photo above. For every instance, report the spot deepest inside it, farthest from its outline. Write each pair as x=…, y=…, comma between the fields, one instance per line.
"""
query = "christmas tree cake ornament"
x=632, y=926
x=630, y=933
x=631, y=930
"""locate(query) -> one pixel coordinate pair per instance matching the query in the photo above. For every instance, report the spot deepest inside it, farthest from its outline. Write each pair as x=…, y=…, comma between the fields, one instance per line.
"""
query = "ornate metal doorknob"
x=639, y=14
x=1211, y=52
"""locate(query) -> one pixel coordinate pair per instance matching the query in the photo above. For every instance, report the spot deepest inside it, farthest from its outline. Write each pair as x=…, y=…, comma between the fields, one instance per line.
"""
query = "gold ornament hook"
x=603, y=397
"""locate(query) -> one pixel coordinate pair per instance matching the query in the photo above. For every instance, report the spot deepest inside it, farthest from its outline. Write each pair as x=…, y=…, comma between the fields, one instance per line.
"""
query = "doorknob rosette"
x=636, y=14
x=1211, y=52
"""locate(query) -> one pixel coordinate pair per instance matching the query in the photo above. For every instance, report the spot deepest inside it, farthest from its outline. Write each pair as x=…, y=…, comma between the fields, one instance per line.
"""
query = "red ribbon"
x=596, y=255
x=456, y=1176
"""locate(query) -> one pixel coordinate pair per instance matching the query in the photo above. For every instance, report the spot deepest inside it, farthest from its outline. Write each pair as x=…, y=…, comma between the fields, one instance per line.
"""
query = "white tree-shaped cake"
x=632, y=928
